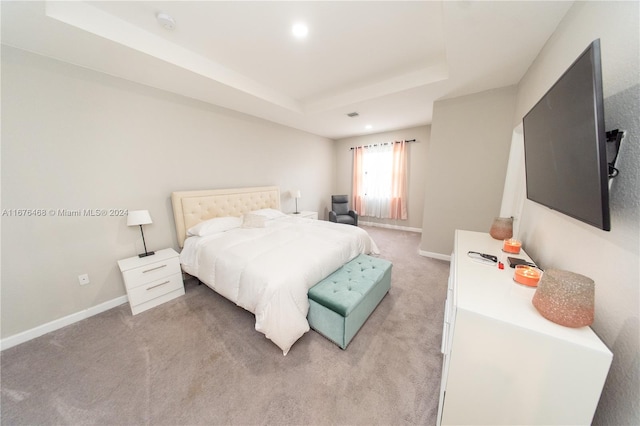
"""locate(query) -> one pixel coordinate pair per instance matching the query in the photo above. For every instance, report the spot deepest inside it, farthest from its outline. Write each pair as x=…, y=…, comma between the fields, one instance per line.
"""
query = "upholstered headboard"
x=192, y=207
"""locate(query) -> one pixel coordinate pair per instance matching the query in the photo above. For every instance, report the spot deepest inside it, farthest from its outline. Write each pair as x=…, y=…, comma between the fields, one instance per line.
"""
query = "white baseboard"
x=385, y=225
x=40, y=330
x=434, y=255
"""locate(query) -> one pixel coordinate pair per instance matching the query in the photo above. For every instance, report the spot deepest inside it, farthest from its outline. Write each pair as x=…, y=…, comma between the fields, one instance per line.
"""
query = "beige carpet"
x=198, y=360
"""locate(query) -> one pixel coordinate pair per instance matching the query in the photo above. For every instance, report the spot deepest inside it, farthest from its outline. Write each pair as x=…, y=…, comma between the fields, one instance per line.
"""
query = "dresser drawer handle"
x=153, y=269
x=157, y=285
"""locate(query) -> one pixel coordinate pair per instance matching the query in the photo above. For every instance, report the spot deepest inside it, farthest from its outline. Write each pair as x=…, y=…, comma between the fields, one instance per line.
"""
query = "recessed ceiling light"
x=300, y=30
x=368, y=127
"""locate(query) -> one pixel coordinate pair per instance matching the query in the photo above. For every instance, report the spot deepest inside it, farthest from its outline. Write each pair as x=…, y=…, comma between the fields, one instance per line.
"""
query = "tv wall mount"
x=614, y=137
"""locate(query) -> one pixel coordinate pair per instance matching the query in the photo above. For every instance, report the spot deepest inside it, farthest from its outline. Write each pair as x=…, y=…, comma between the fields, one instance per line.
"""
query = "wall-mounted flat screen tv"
x=564, y=142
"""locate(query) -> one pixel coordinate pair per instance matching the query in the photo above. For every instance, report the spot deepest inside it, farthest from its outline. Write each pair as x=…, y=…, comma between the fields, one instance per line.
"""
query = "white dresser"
x=505, y=364
x=152, y=280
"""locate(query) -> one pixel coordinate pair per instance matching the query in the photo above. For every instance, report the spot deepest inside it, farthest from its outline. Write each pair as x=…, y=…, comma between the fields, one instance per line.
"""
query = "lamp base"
x=296, y=212
x=150, y=253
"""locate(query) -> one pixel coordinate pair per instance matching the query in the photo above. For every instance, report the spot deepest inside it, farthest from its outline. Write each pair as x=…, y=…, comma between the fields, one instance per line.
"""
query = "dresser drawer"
x=151, y=272
x=153, y=289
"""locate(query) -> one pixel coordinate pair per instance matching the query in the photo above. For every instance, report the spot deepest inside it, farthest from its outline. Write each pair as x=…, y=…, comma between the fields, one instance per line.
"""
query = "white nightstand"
x=152, y=280
x=306, y=215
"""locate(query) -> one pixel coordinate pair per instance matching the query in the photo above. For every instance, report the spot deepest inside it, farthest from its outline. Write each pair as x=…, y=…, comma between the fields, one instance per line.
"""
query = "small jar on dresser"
x=152, y=280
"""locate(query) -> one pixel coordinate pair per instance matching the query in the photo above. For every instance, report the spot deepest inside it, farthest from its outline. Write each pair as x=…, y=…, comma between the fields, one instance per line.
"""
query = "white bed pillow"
x=250, y=220
x=268, y=213
x=215, y=225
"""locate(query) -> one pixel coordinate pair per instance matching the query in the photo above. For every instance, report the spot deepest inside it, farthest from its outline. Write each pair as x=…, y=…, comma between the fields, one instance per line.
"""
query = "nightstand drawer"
x=153, y=289
x=151, y=272
x=152, y=280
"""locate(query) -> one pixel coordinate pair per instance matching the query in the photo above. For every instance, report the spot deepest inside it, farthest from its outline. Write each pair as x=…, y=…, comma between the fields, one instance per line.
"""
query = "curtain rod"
x=377, y=144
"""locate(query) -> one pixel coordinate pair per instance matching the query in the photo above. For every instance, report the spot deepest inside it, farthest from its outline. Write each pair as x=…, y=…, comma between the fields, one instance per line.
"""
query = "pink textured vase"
x=502, y=228
x=565, y=298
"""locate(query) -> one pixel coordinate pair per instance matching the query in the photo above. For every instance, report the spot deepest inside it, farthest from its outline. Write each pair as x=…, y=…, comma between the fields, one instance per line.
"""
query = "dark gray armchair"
x=340, y=212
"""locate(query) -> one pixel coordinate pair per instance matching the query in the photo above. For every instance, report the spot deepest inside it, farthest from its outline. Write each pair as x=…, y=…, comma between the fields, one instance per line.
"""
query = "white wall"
x=77, y=139
x=466, y=166
x=612, y=259
x=417, y=153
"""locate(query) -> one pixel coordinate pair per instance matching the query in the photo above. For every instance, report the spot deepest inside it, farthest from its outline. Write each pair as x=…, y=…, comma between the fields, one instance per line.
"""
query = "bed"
x=239, y=243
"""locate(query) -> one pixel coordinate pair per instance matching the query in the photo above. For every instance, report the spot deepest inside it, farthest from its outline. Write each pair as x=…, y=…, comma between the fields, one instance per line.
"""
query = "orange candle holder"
x=527, y=275
x=512, y=246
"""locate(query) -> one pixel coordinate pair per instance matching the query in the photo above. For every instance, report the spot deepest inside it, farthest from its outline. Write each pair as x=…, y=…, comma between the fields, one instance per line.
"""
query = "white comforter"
x=268, y=270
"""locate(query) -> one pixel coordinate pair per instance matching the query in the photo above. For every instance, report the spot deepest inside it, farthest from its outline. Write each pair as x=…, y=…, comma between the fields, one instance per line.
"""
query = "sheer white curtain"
x=377, y=168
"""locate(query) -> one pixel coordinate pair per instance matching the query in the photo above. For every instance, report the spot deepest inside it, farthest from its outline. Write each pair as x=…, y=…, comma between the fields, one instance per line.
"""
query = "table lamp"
x=140, y=217
x=296, y=194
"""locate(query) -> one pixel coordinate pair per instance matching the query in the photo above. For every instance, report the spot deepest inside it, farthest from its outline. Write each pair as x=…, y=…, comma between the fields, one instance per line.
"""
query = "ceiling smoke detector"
x=166, y=21
x=353, y=114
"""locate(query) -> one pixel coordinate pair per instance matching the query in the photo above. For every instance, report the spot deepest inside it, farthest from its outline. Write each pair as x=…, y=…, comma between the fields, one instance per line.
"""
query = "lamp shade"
x=138, y=217
x=296, y=193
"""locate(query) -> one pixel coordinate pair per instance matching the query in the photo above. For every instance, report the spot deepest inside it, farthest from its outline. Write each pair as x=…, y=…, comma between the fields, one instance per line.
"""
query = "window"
x=379, y=180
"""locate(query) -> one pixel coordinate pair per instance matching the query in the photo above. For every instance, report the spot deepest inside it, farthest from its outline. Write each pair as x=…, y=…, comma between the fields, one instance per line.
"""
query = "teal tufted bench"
x=341, y=303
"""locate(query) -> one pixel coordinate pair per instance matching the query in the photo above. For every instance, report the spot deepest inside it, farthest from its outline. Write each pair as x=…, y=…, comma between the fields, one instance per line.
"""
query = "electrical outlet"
x=83, y=279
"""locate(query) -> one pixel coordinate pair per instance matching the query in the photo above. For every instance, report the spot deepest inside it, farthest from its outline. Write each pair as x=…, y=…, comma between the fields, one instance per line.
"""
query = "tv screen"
x=564, y=143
